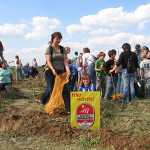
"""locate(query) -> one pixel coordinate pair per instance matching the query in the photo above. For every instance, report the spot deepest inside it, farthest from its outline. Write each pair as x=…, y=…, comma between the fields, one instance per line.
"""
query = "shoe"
x=106, y=99
x=38, y=101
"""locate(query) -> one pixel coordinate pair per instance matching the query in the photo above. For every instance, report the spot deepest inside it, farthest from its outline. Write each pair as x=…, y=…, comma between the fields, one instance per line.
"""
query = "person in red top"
x=80, y=68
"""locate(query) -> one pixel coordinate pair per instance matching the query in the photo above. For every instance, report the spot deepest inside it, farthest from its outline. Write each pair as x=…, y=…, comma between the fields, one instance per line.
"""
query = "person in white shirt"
x=145, y=72
x=34, y=63
x=89, y=60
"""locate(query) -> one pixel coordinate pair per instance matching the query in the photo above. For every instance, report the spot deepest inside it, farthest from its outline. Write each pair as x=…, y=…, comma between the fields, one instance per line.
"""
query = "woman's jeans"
x=50, y=79
x=148, y=88
x=109, y=86
x=92, y=73
x=19, y=71
x=119, y=88
x=128, y=83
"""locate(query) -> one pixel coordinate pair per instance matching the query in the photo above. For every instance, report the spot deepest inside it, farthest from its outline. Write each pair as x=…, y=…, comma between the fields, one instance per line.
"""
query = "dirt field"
x=25, y=125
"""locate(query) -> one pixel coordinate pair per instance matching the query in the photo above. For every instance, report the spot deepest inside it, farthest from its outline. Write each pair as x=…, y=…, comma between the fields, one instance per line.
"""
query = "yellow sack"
x=56, y=103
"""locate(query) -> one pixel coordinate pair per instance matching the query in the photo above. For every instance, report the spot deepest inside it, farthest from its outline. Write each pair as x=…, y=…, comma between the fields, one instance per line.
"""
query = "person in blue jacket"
x=86, y=83
x=73, y=76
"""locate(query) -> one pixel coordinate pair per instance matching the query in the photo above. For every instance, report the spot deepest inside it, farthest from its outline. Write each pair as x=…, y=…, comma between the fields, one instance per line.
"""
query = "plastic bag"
x=56, y=103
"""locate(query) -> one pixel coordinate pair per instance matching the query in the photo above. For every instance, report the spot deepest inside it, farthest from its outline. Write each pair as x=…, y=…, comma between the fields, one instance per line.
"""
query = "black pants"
x=50, y=79
x=72, y=80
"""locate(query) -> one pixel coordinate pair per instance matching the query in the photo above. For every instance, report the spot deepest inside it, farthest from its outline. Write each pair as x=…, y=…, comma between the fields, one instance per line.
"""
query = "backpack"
x=51, y=52
x=140, y=89
x=130, y=65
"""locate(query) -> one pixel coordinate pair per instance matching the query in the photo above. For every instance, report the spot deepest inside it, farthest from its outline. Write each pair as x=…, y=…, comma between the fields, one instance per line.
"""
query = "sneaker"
x=38, y=101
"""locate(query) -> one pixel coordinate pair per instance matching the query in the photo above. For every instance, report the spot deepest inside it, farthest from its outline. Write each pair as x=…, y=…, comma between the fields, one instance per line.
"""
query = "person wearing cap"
x=138, y=52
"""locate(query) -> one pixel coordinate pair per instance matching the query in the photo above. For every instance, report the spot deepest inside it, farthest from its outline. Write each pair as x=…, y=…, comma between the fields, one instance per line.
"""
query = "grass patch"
x=8, y=101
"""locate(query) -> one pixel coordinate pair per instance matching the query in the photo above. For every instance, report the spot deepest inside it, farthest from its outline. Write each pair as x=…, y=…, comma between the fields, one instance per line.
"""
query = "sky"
x=101, y=25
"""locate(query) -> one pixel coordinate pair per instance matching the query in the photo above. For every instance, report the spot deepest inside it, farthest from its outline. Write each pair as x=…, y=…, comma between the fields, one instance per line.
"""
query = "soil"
x=27, y=121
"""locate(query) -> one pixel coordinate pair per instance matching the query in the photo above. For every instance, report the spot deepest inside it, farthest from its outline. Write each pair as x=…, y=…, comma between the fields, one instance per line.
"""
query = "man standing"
x=138, y=52
x=89, y=60
x=74, y=60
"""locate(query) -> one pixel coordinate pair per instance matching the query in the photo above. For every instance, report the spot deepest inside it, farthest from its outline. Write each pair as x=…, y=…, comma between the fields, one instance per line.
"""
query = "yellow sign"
x=85, y=110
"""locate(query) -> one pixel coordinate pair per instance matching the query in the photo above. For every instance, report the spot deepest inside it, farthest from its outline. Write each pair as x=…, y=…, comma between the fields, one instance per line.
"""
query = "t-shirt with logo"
x=145, y=68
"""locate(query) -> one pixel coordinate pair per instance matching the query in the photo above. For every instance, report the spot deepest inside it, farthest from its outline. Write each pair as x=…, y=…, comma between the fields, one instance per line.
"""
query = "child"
x=34, y=63
x=74, y=75
x=145, y=71
x=108, y=65
x=86, y=83
x=100, y=74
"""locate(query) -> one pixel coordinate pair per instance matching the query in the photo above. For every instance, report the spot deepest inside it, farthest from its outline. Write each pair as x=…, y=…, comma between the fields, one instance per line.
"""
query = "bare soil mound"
x=35, y=122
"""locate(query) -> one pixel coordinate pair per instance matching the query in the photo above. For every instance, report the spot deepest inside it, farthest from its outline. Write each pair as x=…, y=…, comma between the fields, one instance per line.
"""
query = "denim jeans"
x=128, y=83
x=92, y=73
x=19, y=71
x=50, y=79
x=119, y=88
x=109, y=86
x=148, y=88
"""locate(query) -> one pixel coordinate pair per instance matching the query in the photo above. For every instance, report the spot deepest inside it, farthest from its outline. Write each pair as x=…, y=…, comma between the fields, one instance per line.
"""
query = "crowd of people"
x=90, y=73
x=6, y=77
x=87, y=72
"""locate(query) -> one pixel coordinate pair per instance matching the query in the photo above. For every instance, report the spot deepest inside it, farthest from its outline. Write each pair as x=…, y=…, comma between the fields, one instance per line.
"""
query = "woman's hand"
x=54, y=72
x=68, y=71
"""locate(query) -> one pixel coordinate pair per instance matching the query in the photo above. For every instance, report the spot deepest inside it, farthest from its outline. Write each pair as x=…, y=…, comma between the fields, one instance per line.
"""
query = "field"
x=24, y=125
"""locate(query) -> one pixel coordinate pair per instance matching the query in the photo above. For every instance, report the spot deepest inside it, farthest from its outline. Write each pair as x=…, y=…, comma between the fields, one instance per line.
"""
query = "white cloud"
x=101, y=32
x=42, y=27
x=74, y=28
x=12, y=30
x=114, y=18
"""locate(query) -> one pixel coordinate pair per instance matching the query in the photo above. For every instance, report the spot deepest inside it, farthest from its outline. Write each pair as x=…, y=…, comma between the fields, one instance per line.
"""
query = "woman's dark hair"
x=84, y=76
x=112, y=52
x=1, y=46
x=55, y=34
x=126, y=47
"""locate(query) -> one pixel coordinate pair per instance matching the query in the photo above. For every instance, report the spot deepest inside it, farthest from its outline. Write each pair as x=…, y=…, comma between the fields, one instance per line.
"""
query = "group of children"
x=102, y=68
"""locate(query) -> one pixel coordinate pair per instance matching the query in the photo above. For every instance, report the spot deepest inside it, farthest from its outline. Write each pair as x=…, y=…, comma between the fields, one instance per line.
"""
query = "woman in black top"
x=128, y=78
